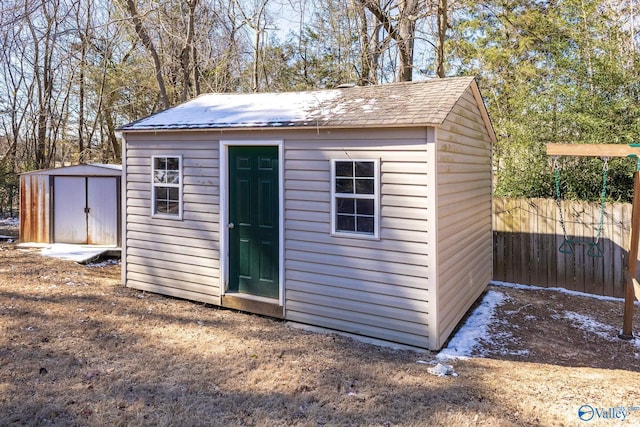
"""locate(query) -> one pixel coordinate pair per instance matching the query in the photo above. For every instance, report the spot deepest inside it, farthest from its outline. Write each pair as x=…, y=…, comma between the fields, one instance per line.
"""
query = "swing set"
x=606, y=151
x=568, y=245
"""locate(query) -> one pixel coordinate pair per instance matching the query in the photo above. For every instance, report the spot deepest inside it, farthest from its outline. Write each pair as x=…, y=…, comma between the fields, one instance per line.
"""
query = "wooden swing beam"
x=616, y=150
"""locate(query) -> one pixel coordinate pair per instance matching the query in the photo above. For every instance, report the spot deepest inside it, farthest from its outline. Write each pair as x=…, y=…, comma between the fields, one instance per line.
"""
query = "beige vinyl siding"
x=412, y=285
x=377, y=288
x=174, y=257
x=463, y=213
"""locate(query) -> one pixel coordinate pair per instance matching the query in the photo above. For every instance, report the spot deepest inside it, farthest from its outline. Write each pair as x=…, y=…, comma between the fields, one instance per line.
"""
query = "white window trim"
x=154, y=185
x=375, y=197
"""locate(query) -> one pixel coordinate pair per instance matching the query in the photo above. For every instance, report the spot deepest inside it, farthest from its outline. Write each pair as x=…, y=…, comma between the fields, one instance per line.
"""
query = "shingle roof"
x=398, y=104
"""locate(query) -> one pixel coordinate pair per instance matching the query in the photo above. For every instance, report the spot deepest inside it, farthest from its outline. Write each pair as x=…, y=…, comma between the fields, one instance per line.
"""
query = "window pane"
x=160, y=163
x=346, y=206
x=365, y=224
x=174, y=193
x=344, y=185
x=364, y=169
x=365, y=207
x=173, y=177
x=346, y=223
x=160, y=176
x=364, y=186
x=173, y=163
x=166, y=175
x=160, y=206
x=161, y=193
x=355, y=184
x=173, y=207
x=344, y=168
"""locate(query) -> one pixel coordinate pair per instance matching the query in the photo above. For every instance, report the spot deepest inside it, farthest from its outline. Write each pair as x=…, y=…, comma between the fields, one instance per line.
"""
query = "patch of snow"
x=242, y=110
x=524, y=352
x=589, y=325
x=474, y=332
x=10, y=222
x=602, y=330
x=561, y=290
x=371, y=106
x=474, y=336
x=503, y=337
x=106, y=262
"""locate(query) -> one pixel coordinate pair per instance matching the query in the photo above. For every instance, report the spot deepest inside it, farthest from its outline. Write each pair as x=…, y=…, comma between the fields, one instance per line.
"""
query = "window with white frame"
x=167, y=186
x=354, y=197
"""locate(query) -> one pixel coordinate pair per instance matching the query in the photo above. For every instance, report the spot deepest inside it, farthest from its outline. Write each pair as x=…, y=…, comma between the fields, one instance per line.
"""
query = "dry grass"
x=76, y=348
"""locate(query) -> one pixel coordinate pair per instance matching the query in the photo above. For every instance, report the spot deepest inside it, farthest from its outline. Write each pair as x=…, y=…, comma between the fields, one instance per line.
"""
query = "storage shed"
x=74, y=204
x=365, y=210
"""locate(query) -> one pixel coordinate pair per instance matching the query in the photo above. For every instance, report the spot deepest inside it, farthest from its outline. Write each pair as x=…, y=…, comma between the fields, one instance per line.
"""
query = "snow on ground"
x=10, y=222
x=103, y=263
x=606, y=332
x=591, y=326
x=562, y=290
x=474, y=333
x=473, y=338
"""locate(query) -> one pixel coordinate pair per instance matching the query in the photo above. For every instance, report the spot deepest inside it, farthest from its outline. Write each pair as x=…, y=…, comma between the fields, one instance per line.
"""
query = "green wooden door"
x=253, y=220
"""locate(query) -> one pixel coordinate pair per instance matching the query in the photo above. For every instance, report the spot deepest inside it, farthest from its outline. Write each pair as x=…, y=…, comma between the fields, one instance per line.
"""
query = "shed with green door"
x=364, y=210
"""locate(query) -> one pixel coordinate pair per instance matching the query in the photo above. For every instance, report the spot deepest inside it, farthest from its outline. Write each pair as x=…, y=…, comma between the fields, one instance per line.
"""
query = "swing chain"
x=556, y=175
x=603, y=197
x=567, y=245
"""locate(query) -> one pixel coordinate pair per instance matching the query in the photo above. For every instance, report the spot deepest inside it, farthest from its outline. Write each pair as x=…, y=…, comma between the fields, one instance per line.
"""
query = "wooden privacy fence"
x=527, y=234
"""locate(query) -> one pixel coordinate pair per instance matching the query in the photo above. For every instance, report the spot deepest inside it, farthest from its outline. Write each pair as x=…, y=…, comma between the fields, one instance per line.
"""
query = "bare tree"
x=149, y=45
x=398, y=18
x=51, y=73
x=255, y=19
x=187, y=50
x=442, y=19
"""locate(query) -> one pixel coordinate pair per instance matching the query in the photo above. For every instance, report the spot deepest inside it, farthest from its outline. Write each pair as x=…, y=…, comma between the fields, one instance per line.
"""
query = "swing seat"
x=568, y=247
x=595, y=250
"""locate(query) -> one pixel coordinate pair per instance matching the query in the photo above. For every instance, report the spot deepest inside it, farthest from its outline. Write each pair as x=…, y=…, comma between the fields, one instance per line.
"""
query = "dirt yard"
x=78, y=349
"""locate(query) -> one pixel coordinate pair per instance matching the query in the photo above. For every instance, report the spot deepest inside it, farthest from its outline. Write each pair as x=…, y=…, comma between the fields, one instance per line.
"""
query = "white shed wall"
x=464, y=236
x=172, y=257
x=376, y=288
x=411, y=286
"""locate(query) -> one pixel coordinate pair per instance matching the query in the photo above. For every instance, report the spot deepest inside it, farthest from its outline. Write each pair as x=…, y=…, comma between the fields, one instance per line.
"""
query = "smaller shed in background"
x=73, y=204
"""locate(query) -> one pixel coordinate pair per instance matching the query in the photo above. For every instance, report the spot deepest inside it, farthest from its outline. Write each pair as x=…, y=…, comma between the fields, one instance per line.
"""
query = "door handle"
x=231, y=225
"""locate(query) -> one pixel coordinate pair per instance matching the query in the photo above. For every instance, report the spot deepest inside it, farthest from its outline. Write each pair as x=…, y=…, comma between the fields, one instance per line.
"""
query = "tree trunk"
x=443, y=23
x=187, y=48
x=256, y=59
x=403, y=32
x=366, y=50
x=148, y=43
x=111, y=134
